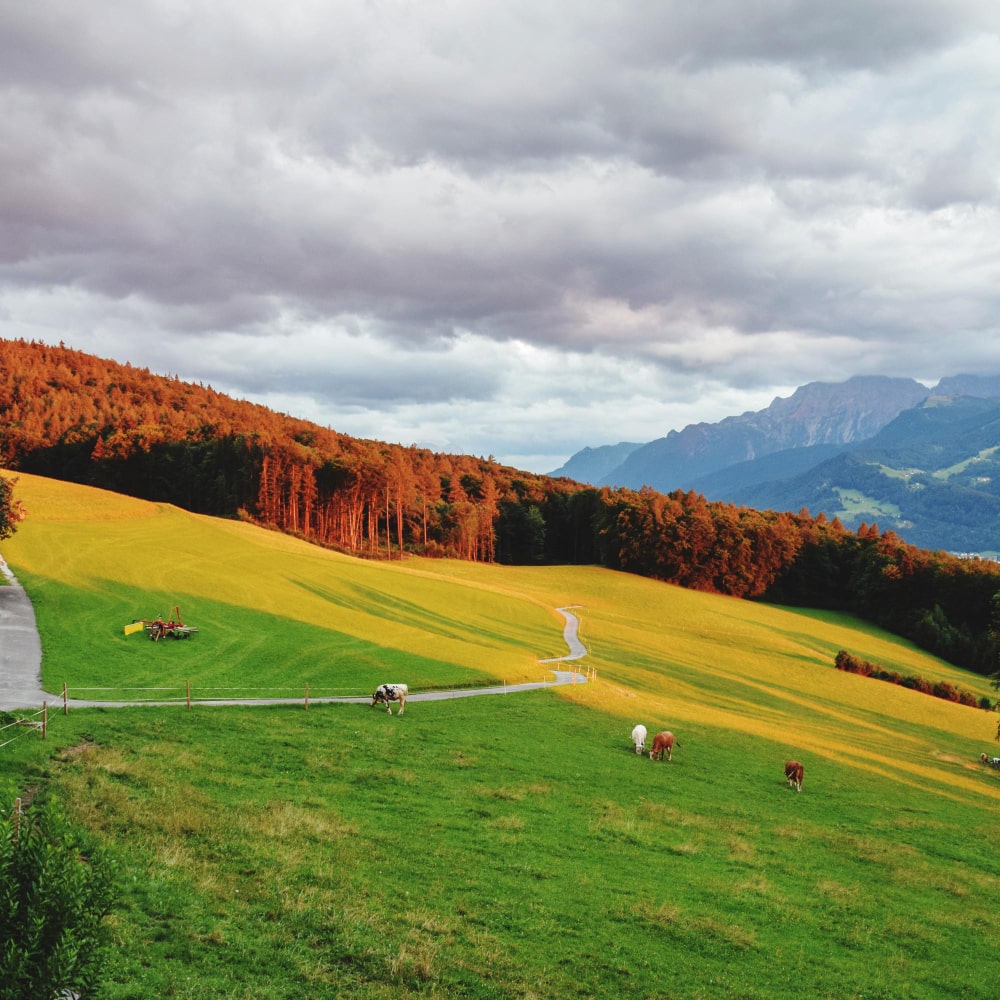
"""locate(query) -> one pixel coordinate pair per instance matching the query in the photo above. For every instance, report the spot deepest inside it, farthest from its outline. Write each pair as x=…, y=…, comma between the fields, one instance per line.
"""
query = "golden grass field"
x=660, y=652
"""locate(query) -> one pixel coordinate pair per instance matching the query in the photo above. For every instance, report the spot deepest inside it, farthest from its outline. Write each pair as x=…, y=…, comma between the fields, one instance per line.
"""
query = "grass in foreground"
x=514, y=846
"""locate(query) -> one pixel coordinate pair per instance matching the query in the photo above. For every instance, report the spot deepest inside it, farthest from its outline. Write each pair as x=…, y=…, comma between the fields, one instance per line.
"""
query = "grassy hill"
x=506, y=846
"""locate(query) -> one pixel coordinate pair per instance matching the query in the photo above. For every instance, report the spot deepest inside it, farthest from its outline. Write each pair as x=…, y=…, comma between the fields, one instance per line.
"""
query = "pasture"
x=507, y=846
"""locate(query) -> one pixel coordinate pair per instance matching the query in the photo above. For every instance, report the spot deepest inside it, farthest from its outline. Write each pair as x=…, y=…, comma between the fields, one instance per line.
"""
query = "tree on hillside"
x=994, y=634
x=11, y=510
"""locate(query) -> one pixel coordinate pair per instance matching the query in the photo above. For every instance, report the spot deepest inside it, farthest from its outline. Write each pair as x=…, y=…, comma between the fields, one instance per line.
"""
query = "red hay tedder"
x=157, y=628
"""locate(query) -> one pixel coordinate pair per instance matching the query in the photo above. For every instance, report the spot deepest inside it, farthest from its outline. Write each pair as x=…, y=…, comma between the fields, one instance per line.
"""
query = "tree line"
x=72, y=416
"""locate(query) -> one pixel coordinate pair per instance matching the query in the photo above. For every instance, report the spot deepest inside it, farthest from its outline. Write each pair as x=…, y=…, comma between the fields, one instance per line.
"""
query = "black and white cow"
x=391, y=692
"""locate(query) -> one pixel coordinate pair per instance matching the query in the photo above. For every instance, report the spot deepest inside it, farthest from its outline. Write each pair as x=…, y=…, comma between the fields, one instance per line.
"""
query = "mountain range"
x=923, y=462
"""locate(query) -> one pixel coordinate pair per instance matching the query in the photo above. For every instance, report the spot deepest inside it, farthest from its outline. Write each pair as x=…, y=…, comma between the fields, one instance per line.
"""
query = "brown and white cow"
x=662, y=741
x=990, y=761
x=793, y=774
x=391, y=692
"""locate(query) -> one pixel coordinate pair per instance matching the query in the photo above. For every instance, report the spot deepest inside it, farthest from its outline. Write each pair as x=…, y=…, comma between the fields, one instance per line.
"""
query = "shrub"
x=844, y=661
x=55, y=891
x=917, y=683
x=940, y=689
x=892, y=676
x=945, y=691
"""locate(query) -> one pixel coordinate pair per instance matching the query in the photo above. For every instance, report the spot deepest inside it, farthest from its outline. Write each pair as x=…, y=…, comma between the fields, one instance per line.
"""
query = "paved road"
x=21, y=663
x=20, y=648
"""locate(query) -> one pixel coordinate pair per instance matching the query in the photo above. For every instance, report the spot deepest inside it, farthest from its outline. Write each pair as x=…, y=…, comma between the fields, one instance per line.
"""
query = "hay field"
x=96, y=560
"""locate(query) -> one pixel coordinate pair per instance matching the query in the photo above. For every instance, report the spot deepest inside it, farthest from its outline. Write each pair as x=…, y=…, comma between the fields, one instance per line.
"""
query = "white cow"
x=639, y=738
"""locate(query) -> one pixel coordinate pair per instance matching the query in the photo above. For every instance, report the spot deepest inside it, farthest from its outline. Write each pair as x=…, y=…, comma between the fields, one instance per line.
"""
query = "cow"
x=391, y=692
x=793, y=774
x=639, y=738
x=993, y=762
x=662, y=741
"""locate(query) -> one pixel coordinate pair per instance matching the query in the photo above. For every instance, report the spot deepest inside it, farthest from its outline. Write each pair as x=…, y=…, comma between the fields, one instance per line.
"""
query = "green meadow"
x=511, y=846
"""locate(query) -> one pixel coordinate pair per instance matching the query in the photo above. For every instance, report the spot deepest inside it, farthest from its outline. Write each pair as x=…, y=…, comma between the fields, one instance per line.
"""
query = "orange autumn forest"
x=70, y=415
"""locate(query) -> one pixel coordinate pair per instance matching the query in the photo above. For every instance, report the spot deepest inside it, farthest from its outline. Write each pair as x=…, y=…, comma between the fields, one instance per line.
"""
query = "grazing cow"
x=993, y=762
x=662, y=741
x=793, y=774
x=391, y=692
x=639, y=738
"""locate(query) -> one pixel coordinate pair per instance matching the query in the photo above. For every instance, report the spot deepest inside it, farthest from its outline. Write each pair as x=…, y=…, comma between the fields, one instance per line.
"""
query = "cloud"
x=541, y=225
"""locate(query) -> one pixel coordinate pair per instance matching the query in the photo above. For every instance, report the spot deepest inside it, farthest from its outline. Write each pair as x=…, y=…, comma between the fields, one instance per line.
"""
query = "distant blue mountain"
x=726, y=483
x=932, y=475
x=592, y=465
x=818, y=413
x=922, y=462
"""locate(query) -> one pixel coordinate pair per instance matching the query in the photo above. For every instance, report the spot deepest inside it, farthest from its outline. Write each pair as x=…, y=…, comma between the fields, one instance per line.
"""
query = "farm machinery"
x=159, y=628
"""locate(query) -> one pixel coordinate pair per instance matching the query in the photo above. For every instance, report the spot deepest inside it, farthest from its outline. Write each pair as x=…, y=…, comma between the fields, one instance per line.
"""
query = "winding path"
x=21, y=662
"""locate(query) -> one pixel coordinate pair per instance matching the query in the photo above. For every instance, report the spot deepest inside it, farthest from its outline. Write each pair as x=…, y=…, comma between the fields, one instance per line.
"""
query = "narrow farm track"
x=21, y=660
x=20, y=647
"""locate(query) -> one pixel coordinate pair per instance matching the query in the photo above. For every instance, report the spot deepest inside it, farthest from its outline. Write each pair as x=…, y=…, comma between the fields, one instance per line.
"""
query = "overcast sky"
x=511, y=228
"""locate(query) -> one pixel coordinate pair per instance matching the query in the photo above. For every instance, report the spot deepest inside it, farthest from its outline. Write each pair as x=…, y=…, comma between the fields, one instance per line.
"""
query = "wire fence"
x=37, y=722
x=191, y=694
x=24, y=724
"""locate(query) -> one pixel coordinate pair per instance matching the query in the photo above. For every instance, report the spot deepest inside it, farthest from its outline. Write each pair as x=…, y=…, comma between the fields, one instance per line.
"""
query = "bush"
x=891, y=676
x=55, y=891
x=946, y=691
x=941, y=689
x=844, y=661
x=852, y=665
x=918, y=683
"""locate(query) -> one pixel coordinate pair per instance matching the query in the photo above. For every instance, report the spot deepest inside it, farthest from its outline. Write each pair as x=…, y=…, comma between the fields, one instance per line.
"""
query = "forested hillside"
x=69, y=415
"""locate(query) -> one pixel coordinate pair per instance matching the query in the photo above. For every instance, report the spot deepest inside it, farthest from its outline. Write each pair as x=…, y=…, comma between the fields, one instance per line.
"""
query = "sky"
x=511, y=229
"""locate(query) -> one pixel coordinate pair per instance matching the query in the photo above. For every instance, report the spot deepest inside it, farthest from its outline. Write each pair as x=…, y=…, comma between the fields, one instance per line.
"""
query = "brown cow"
x=662, y=741
x=793, y=774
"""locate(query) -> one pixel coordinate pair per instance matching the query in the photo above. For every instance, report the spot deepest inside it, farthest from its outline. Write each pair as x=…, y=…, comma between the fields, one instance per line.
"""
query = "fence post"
x=65, y=703
x=187, y=688
x=45, y=717
x=17, y=818
x=307, y=697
